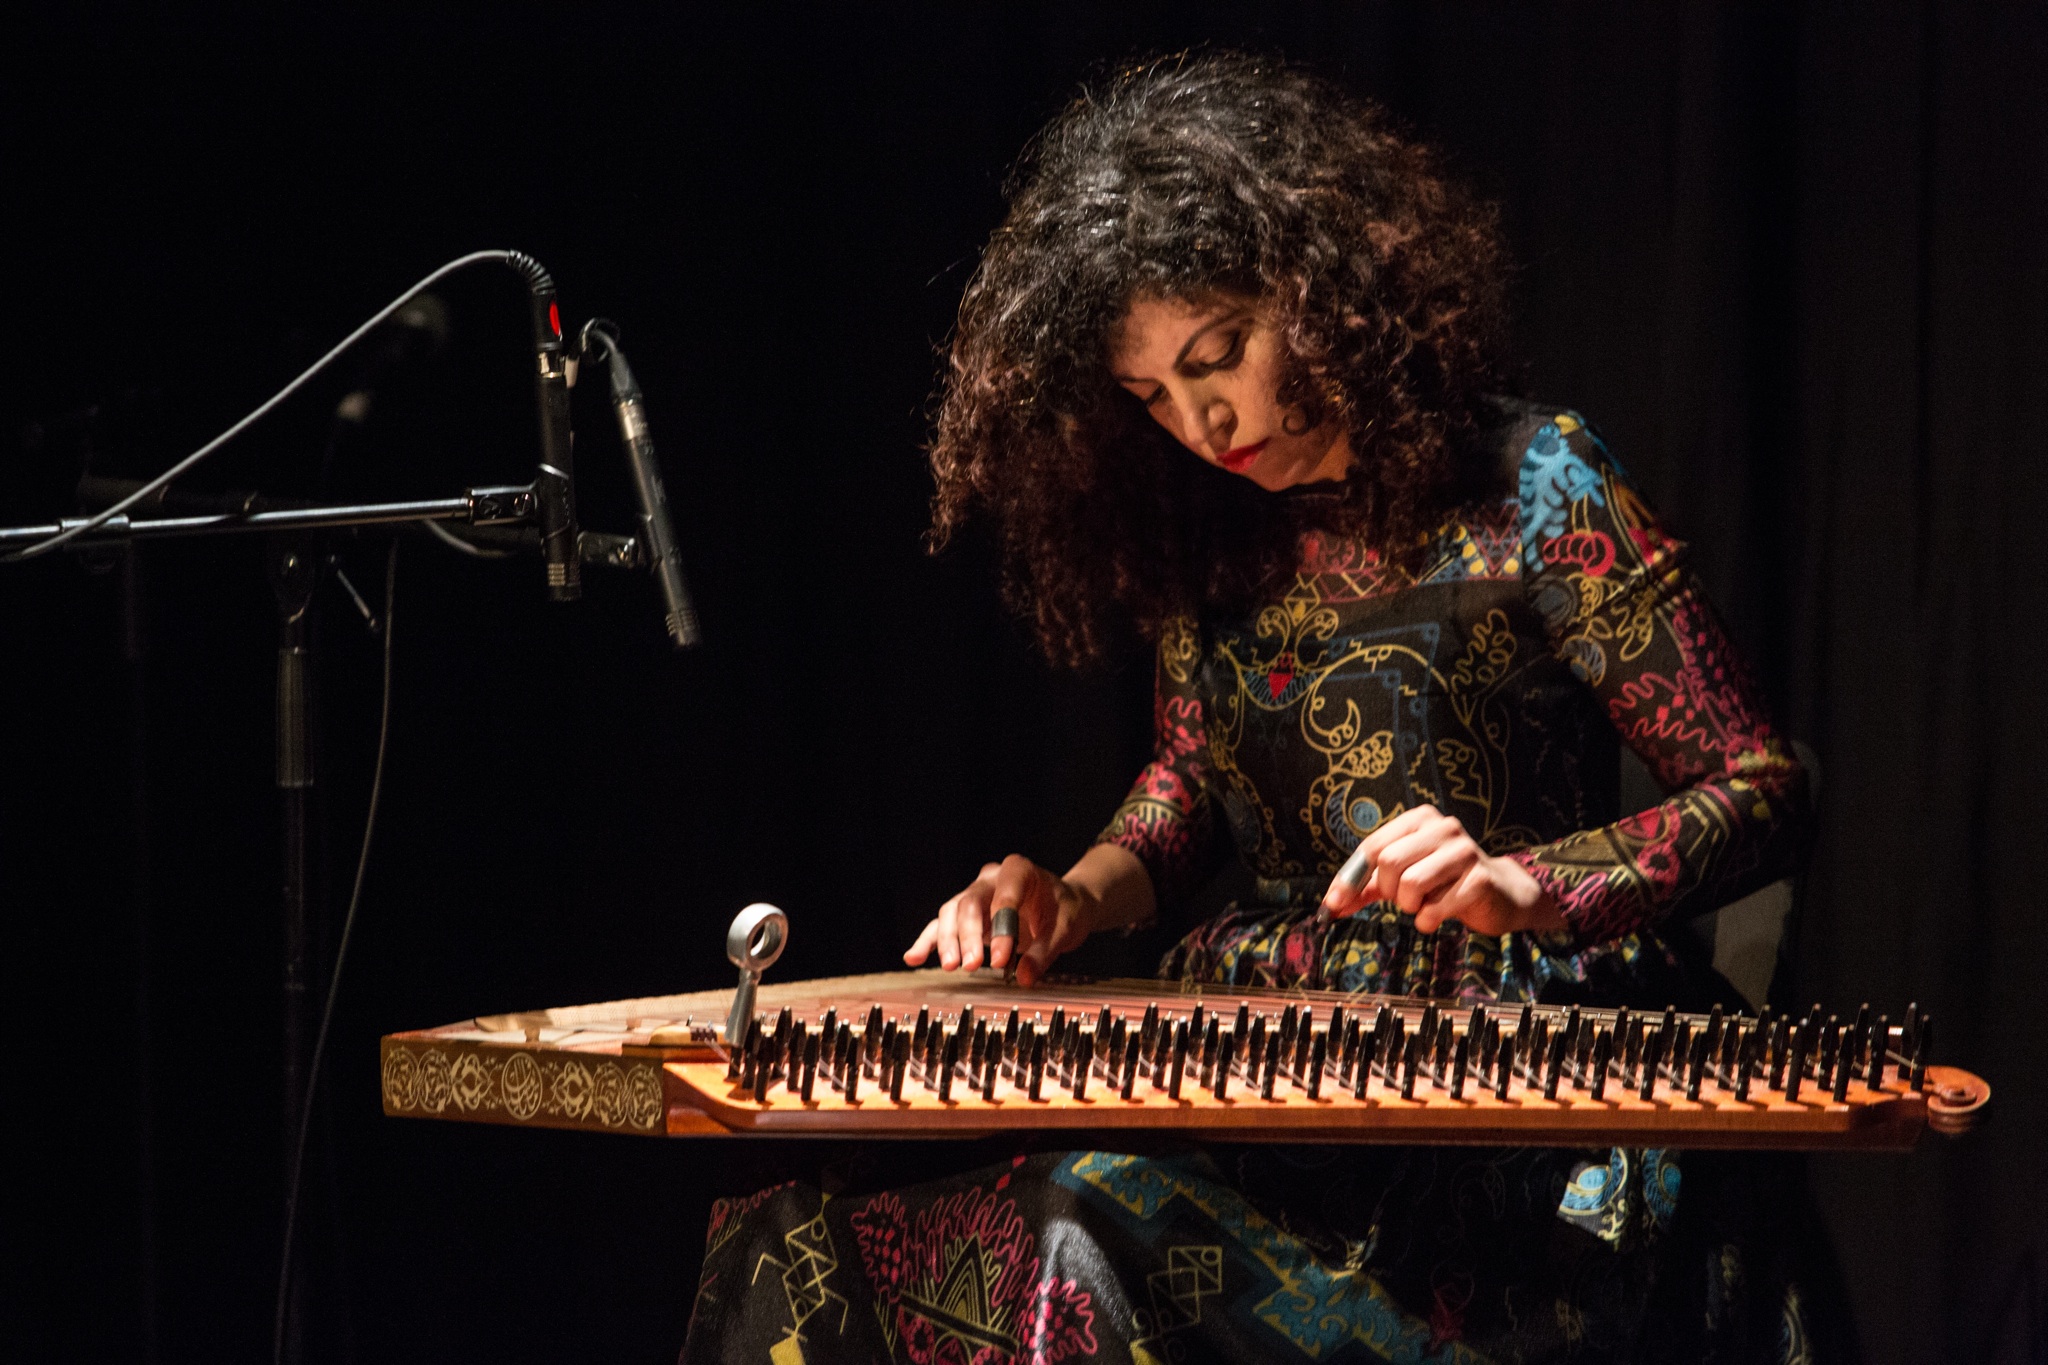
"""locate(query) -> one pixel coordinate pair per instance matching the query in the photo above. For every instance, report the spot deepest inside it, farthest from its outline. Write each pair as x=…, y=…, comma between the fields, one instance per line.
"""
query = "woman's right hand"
x=1054, y=915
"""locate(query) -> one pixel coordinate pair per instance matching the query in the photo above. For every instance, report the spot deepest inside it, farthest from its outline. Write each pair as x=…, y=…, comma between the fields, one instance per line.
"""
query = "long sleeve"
x=1169, y=819
x=1624, y=611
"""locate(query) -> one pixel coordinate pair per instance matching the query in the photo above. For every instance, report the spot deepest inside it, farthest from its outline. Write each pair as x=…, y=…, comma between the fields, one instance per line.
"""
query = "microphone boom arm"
x=500, y=517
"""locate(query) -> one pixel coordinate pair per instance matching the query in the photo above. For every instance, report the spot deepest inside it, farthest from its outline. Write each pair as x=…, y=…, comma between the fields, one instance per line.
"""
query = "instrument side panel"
x=534, y=1087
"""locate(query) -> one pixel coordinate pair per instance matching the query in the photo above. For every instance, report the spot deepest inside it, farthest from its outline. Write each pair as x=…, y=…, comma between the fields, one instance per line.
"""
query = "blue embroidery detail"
x=1315, y=1308
x=1631, y=1196
x=1553, y=478
x=1661, y=1180
x=1601, y=446
x=1597, y=1198
x=1452, y=570
x=1588, y=1190
x=1365, y=814
x=1343, y=823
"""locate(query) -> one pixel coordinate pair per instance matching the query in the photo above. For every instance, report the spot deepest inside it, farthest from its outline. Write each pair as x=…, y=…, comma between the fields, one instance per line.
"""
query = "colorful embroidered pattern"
x=959, y=1281
x=1627, y=1200
x=1192, y=1274
x=804, y=1275
x=1311, y=1307
x=1168, y=815
x=1496, y=685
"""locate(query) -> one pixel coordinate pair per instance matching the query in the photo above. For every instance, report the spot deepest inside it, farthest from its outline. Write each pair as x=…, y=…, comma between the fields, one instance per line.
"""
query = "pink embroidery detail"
x=960, y=1284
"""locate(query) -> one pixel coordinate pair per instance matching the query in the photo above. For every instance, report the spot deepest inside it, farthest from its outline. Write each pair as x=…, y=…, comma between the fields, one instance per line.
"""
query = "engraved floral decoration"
x=521, y=1085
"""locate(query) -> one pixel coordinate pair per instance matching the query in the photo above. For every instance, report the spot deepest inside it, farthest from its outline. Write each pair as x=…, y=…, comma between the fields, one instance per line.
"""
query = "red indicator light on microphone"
x=555, y=318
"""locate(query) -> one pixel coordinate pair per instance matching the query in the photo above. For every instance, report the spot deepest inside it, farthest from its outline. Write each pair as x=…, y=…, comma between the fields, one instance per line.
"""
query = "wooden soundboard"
x=1101, y=1057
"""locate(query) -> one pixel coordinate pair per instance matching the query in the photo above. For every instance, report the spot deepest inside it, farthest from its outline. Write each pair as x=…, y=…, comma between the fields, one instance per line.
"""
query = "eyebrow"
x=1233, y=315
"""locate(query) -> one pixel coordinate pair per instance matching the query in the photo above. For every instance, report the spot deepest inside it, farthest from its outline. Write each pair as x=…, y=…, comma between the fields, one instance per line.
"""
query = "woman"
x=1231, y=370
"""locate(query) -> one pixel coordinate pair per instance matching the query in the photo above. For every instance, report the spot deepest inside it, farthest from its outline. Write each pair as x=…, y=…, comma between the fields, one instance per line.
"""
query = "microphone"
x=659, y=532
x=554, y=485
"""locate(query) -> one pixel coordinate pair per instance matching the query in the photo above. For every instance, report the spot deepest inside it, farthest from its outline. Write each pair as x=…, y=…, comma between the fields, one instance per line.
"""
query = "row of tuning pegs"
x=1543, y=1050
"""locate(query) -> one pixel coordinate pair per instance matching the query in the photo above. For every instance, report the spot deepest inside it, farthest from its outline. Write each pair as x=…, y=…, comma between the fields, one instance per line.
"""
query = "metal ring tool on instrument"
x=753, y=943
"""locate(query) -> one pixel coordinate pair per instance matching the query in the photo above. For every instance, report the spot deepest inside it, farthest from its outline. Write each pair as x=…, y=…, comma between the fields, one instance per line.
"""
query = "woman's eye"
x=1232, y=352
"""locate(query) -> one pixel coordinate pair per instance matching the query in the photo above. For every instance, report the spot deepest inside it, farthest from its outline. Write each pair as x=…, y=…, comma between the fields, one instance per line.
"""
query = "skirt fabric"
x=1236, y=1253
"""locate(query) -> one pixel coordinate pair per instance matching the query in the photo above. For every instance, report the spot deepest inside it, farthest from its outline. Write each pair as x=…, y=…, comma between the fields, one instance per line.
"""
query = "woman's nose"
x=1203, y=416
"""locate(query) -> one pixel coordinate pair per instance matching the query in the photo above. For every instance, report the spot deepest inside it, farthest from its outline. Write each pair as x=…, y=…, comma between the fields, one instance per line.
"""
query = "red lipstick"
x=1240, y=459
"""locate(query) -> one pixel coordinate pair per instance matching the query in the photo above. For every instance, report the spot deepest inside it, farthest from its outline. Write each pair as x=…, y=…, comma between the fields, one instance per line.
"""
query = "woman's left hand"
x=1429, y=867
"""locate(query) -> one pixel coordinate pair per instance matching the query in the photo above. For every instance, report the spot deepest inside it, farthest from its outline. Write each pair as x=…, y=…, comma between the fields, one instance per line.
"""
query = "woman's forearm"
x=1117, y=885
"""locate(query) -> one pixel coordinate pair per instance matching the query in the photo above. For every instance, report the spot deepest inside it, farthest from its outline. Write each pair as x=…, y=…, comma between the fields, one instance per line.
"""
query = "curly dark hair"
x=1210, y=178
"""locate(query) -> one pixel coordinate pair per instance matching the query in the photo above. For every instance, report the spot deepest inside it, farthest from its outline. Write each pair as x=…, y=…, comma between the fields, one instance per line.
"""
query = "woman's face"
x=1209, y=374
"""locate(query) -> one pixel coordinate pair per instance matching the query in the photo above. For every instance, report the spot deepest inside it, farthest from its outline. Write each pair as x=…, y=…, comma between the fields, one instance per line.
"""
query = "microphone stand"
x=501, y=519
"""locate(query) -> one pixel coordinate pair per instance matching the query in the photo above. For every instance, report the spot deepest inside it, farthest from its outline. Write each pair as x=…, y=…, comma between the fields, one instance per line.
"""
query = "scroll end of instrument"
x=1955, y=1100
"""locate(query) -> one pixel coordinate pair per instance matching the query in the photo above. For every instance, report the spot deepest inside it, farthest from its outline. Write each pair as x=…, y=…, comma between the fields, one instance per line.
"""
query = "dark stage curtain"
x=1793, y=259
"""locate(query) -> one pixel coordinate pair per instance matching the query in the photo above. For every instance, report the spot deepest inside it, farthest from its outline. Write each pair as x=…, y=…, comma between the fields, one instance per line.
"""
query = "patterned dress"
x=1496, y=683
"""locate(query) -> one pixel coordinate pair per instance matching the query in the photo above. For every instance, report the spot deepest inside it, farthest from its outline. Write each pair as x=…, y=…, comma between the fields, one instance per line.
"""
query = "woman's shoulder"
x=1559, y=472
x=1577, y=507
x=1532, y=439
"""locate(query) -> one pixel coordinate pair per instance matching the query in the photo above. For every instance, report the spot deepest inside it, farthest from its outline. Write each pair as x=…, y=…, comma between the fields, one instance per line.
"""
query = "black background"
x=1794, y=260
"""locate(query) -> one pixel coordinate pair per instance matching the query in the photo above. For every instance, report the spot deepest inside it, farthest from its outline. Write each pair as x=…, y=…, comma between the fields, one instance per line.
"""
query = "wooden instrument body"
x=659, y=1067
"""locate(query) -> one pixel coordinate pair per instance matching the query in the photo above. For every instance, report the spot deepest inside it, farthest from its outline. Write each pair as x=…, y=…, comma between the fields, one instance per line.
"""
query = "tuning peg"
x=1603, y=1057
x=1923, y=1048
x=1178, y=1065
x=1226, y=1055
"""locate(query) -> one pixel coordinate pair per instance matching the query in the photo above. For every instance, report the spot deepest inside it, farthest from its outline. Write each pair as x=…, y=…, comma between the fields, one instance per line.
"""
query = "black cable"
x=348, y=924
x=536, y=277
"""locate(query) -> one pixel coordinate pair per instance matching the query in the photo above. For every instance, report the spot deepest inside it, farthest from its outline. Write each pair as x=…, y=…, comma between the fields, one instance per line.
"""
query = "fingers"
x=962, y=933
x=1345, y=901
x=1038, y=930
x=1050, y=919
x=1056, y=929
x=948, y=937
x=967, y=908
x=1059, y=919
x=1373, y=846
x=1033, y=961
x=1440, y=868
x=1004, y=931
x=970, y=926
x=1347, y=888
x=1465, y=899
x=1015, y=886
x=1422, y=838
x=1357, y=883
x=1422, y=861
x=917, y=953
